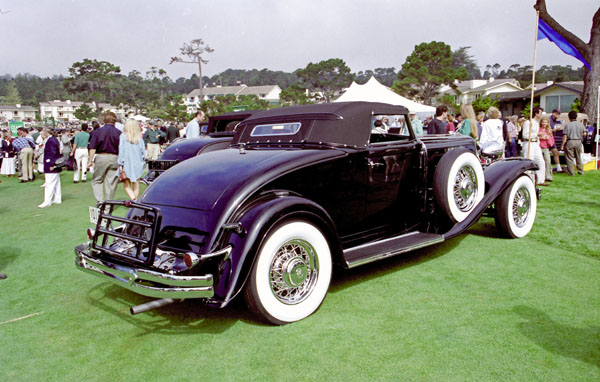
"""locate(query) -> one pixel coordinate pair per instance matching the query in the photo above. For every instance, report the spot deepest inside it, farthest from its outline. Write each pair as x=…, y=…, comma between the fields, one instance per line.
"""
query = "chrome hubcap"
x=294, y=271
x=521, y=206
x=465, y=188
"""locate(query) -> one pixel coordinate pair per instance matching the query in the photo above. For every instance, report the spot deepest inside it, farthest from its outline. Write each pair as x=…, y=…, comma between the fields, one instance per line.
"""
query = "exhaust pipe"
x=151, y=305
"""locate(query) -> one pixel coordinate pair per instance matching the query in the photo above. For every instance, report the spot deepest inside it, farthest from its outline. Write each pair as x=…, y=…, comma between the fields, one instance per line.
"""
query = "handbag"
x=60, y=162
x=122, y=175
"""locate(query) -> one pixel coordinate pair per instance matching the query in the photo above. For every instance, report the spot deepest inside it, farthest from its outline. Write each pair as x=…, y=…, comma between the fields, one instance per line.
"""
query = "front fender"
x=256, y=221
x=498, y=176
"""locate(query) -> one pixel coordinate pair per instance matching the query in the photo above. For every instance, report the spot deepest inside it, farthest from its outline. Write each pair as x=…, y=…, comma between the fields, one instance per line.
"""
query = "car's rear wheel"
x=516, y=208
x=458, y=183
x=291, y=275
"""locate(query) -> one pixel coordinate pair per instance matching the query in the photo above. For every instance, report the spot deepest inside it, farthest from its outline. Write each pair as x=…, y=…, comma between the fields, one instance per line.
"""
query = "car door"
x=395, y=185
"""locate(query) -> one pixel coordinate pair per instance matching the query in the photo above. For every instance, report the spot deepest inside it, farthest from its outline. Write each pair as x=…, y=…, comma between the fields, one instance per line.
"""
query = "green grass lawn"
x=475, y=308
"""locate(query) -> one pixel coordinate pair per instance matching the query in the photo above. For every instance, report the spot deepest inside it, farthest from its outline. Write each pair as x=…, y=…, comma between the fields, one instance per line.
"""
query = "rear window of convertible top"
x=275, y=129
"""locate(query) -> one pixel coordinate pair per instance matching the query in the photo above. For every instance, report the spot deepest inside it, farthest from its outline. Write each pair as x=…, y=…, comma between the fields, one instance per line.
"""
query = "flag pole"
x=537, y=28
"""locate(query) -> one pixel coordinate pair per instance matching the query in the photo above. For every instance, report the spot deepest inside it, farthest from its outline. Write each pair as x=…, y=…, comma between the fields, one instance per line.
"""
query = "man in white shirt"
x=192, y=129
x=531, y=145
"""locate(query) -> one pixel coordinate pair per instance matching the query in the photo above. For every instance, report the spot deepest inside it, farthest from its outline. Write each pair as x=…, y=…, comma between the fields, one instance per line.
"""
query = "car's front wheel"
x=516, y=208
x=291, y=275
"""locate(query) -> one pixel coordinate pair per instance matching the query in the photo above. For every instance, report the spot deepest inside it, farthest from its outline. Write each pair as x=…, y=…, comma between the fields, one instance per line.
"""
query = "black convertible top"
x=347, y=123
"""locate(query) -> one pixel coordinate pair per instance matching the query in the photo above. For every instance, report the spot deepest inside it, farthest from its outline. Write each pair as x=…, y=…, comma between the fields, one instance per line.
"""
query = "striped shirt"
x=21, y=143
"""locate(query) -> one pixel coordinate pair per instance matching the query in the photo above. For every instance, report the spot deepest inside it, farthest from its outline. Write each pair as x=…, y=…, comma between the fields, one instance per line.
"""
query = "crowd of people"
x=112, y=153
x=513, y=136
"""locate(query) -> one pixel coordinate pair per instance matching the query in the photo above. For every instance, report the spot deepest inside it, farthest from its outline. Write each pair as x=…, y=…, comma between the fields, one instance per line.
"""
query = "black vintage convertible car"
x=299, y=191
x=216, y=134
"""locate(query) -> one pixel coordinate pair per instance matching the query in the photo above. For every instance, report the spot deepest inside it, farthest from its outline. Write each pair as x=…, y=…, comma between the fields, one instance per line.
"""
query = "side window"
x=389, y=128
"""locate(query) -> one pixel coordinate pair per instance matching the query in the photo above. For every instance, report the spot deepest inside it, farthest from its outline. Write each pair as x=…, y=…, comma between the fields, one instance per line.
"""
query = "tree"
x=194, y=51
x=590, y=52
x=92, y=80
x=11, y=94
x=294, y=95
x=448, y=100
x=326, y=77
x=526, y=112
x=576, y=105
x=176, y=109
x=484, y=103
x=84, y=112
x=427, y=68
x=462, y=59
x=229, y=102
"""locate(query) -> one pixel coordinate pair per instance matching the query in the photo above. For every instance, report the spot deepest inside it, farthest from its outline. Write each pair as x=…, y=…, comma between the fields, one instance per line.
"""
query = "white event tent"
x=374, y=91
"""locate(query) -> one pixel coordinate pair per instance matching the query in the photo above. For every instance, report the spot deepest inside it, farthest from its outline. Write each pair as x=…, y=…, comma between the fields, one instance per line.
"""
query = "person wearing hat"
x=416, y=123
x=152, y=140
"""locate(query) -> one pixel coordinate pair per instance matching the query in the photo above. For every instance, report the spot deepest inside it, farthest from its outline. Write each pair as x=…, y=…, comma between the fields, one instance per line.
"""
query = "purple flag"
x=545, y=31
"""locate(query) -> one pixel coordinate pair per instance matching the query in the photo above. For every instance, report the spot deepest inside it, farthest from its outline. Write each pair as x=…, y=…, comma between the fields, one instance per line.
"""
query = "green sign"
x=50, y=121
x=13, y=126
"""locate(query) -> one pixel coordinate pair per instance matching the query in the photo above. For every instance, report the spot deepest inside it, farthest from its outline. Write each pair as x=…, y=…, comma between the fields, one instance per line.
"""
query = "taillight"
x=190, y=259
x=91, y=233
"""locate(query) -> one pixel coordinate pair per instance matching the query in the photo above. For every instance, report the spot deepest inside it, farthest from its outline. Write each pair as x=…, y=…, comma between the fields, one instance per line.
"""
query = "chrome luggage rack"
x=134, y=238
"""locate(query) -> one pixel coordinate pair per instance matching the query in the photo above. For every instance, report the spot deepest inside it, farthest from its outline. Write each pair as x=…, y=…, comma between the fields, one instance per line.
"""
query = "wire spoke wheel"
x=465, y=188
x=521, y=206
x=291, y=275
x=294, y=271
x=516, y=208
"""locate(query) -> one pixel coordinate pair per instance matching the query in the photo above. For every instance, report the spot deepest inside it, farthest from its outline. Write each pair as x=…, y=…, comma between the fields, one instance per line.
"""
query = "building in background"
x=63, y=111
x=469, y=91
x=17, y=113
x=269, y=93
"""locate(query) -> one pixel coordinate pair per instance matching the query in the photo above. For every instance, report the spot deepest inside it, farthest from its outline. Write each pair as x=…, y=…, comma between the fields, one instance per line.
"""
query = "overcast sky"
x=45, y=37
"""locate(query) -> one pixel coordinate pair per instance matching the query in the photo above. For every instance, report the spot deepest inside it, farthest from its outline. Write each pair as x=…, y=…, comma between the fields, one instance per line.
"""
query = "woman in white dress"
x=8, y=156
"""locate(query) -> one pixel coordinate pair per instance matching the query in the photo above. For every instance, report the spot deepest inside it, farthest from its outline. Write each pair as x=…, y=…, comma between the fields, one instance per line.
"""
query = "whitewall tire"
x=291, y=275
x=516, y=208
x=458, y=184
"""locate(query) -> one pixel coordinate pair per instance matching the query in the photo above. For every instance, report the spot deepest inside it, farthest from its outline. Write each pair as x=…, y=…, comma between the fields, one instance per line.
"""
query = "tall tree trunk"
x=589, y=51
x=201, y=95
x=591, y=79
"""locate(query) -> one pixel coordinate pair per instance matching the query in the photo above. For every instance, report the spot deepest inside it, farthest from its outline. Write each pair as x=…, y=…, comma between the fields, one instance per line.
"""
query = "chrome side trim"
x=180, y=287
x=223, y=252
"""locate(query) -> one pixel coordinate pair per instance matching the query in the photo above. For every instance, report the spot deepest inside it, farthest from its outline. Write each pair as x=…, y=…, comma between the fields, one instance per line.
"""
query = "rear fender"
x=255, y=223
x=498, y=176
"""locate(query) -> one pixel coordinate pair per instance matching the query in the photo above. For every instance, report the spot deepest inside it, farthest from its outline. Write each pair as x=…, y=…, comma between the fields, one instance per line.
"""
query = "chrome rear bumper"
x=164, y=285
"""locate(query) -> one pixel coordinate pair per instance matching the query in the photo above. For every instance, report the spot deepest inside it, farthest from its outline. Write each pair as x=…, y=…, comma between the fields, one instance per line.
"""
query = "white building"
x=64, y=110
x=559, y=95
x=269, y=93
x=473, y=89
x=17, y=112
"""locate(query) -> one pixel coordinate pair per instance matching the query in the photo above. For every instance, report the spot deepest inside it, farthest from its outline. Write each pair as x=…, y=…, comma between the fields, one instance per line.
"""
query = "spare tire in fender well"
x=458, y=183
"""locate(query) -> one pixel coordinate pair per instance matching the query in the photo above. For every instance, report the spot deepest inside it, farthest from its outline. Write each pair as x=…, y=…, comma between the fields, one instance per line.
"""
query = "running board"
x=377, y=250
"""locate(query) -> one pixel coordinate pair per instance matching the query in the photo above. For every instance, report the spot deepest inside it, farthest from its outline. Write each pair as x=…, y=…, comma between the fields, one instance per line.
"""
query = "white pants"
x=81, y=157
x=153, y=151
x=52, y=191
x=538, y=158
